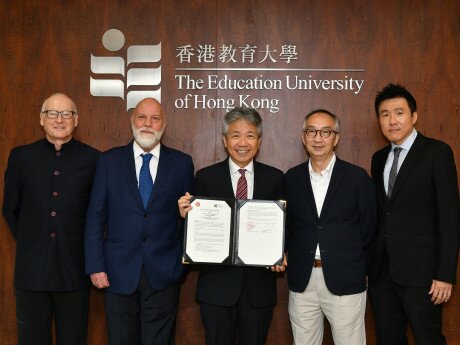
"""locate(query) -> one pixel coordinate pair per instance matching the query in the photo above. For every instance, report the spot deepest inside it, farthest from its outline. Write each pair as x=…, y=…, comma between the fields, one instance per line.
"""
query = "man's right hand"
x=100, y=280
x=184, y=204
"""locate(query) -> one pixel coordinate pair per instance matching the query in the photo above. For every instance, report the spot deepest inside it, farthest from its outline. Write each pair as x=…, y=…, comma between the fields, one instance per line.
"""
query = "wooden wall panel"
x=45, y=47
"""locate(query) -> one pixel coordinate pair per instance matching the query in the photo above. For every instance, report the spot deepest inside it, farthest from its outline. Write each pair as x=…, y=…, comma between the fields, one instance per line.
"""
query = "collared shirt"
x=153, y=164
x=235, y=175
x=319, y=185
x=406, y=145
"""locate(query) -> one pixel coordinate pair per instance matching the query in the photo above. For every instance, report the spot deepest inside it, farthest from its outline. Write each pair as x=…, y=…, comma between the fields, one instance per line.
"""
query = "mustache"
x=147, y=130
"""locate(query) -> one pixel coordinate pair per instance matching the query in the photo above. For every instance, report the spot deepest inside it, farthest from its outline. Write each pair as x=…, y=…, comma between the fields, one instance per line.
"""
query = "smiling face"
x=320, y=148
x=58, y=131
x=148, y=123
x=396, y=120
x=242, y=142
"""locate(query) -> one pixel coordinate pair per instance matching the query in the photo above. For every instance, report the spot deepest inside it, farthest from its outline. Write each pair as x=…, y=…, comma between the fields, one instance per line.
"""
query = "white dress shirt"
x=235, y=175
x=319, y=185
x=406, y=145
x=153, y=164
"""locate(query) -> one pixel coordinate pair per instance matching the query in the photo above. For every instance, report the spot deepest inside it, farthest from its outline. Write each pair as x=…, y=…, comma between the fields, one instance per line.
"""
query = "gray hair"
x=248, y=114
x=316, y=111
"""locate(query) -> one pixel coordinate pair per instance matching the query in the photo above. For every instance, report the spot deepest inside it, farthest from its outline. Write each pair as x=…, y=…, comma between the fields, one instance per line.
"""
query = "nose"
x=59, y=118
x=148, y=122
x=392, y=119
x=318, y=137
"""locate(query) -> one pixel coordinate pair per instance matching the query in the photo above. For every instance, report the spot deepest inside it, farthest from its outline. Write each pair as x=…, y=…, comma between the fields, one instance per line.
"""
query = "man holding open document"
x=237, y=301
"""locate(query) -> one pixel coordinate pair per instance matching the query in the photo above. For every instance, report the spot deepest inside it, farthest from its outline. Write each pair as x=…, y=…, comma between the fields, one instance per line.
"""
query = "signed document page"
x=208, y=236
x=260, y=232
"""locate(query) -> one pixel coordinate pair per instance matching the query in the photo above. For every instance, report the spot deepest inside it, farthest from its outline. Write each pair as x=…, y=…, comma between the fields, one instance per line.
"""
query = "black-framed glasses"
x=324, y=132
x=53, y=114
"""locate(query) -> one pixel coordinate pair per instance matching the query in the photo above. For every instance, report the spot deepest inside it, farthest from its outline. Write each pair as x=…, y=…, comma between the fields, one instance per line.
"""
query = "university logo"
x=115, y=76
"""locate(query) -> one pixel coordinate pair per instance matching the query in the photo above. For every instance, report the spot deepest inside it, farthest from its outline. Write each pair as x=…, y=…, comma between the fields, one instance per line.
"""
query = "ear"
x=414, y=117
x=336, y=140
x=224, y=139
x=42, y=119
x=259, y=142
x=303, y=139
x=75, y=120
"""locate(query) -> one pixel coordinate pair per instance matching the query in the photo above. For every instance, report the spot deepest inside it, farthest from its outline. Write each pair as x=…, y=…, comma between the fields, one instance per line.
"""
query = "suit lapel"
x=412, y=158
x=306, y=186
x=382, y=159
x=164, y=167
x=225, y=180
x=129, y=170
x=334, y=184
x=258, y=185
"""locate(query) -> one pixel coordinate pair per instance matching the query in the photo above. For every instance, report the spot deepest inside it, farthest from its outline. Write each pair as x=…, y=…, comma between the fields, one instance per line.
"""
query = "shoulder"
x=383, y=152
x=213, y=169
x=87, y=149
x=174, y=153
x=28, y=150
x=267, y=169
x=434, y=144
x=350, y=168
x=297, y=170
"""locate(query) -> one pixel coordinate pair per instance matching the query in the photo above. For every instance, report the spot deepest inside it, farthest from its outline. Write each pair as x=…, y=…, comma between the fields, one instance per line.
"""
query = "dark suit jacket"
x=135, y=237
x=44, y=203
x=221, y=285
x=345, y=227
x=419, y=226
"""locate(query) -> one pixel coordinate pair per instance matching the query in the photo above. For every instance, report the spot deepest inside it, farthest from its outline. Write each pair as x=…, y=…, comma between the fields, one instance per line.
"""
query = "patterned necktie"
x=242, y=186
x=393, y=170
x=145, y=179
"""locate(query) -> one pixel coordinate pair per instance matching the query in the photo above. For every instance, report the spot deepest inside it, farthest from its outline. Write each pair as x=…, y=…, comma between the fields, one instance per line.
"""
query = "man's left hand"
x=281, y=268
x=440, y=291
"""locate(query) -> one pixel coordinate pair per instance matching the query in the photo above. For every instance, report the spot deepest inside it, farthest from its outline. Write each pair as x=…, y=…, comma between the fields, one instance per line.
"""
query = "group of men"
x=118, y=216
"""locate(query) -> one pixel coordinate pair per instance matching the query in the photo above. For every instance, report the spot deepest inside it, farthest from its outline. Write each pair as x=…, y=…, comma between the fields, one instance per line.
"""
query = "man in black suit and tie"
x=237, y=302
x=415, y=251
x=331, y=217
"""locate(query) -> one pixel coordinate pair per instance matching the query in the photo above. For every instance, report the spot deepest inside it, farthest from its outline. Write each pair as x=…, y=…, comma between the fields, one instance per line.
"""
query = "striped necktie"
x=242, y=186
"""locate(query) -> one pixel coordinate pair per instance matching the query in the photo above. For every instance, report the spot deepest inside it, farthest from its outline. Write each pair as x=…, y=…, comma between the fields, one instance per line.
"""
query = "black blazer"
x=45, y=203
x=419, y=226
x=345, y=227
x=221, y=285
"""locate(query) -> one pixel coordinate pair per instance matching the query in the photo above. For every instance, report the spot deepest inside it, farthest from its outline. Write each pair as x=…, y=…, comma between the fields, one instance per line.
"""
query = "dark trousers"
x=35, y=311
x=243, y=322
x=146, y=317
x=395, y=306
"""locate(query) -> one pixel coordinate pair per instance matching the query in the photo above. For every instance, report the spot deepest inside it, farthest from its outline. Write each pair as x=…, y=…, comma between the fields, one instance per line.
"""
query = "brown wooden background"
x=45, y=47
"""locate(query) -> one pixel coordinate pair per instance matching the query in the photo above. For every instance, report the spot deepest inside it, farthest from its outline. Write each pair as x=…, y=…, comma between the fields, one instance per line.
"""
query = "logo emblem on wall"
x=135, y=83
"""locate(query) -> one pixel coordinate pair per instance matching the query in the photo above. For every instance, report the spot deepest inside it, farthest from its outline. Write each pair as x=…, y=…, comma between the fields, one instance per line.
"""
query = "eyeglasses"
x=53, y=114
x=324, y=133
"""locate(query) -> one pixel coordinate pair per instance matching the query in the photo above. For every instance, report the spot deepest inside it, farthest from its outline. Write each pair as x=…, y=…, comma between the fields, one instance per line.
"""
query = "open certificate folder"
x=235, y=232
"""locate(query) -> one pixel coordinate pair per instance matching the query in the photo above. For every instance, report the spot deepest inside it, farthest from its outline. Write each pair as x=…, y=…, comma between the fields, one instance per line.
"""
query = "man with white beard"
x=133, y=237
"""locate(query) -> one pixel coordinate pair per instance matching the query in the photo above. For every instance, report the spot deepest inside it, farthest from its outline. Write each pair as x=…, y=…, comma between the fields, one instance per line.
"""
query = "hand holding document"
x=235, y=232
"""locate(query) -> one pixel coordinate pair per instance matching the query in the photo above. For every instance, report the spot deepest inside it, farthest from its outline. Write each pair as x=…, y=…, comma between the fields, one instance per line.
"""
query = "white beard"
x=147, y=140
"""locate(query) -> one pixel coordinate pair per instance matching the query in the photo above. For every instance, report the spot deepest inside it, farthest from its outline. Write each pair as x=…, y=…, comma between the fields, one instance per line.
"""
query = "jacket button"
x=55, y=193
x=388, y=214
x=52, y=213
x=56, y=173
x=145, y=215
x=144, y=240
x=320, y=228
x=52, y=235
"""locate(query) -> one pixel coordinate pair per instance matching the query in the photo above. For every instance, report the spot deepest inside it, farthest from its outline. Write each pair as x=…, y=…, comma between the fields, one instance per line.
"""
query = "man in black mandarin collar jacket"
x=47, y=189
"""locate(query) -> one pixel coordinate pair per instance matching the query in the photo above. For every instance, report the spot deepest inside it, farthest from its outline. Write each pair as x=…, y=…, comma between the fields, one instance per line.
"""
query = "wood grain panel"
x=45, y=46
